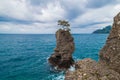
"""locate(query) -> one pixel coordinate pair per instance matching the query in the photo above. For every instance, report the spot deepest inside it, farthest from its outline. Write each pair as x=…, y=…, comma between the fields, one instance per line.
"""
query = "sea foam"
x=72, y=68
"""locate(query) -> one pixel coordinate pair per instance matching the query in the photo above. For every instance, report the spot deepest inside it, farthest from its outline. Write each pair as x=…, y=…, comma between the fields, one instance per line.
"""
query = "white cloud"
x=52, y=12
x=42, y=15
x=98, y=18
x=26, y=29
x=21, y=9
x=15, y=9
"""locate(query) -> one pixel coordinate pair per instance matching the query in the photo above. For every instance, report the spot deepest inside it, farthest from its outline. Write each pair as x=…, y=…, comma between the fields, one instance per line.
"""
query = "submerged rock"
x=108, y=66
x=62, y=56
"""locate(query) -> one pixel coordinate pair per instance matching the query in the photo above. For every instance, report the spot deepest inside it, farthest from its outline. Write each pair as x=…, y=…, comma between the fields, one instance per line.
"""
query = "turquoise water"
x=24, y=57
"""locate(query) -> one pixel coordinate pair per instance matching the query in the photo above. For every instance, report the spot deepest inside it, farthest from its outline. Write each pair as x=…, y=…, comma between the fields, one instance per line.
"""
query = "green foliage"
x=65, y=24
x=103, y=31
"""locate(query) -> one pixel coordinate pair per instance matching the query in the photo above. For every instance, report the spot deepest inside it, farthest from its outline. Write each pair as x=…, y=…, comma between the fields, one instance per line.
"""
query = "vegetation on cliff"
x=103, y=31
x=65, y=24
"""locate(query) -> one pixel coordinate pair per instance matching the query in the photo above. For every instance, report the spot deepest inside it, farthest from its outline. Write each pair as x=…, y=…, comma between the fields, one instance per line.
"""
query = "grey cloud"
x=73, y=10
x=40, y=13
x=98, y=3
x=41, y=3
x=17, y=21
x=73, y=13
x=92, y=24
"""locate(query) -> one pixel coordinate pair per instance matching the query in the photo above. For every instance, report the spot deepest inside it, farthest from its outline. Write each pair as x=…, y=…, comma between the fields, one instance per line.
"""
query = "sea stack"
x=62, y=56
x=108, y=66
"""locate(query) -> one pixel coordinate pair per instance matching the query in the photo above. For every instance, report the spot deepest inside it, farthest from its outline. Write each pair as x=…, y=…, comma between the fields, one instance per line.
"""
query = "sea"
x=24, y=56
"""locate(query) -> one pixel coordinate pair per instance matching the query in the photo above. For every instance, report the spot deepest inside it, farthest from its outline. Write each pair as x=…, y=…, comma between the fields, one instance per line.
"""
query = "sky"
x=41, y=16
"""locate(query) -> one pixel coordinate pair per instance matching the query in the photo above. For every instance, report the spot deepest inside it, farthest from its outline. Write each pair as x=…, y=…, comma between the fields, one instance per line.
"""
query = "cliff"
x=110, y=53
x=105, y=30
x=62, y=56
x=108, y=66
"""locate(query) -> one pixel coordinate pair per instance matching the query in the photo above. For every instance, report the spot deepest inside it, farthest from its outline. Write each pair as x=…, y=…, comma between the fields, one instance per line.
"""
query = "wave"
x=56, y=76
x=60, y=77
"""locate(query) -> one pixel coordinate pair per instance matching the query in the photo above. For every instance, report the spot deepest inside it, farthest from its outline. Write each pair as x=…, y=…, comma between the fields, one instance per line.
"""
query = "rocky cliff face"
x=108, y=67
x=62, y=56
x=110, y=53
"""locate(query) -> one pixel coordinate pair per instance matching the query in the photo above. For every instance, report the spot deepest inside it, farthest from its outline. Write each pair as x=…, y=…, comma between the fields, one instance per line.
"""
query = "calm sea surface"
x=24, y=57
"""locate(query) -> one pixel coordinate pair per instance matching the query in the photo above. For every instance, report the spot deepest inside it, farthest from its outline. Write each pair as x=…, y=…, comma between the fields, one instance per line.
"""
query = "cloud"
x=96, y=18
x=40, y=16
x=23, y=10
x=27, y=29
x=99, y=3
x=14, y=9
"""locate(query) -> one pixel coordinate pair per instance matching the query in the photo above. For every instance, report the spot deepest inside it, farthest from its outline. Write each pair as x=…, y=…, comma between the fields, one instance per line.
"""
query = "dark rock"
x=62, y=56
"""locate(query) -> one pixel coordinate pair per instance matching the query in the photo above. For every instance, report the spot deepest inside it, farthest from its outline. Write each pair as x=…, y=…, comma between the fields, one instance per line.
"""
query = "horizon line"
x=43, y=33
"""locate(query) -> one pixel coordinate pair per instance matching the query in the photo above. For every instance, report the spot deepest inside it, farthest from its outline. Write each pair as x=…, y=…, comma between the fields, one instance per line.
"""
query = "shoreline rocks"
x=88, y=69
x=108, y=66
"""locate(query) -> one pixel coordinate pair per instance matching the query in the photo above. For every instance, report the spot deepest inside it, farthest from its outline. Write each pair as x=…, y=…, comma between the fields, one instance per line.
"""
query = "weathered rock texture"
x=108, y=67
x=88, y=69
x=62, y=56
x=110, y=53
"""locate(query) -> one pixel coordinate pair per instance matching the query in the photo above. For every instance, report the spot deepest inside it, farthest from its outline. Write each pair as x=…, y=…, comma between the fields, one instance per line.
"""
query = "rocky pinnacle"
x=62, y=56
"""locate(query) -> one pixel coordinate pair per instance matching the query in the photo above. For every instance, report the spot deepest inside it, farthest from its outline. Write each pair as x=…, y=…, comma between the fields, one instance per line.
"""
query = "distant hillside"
x=103, y=31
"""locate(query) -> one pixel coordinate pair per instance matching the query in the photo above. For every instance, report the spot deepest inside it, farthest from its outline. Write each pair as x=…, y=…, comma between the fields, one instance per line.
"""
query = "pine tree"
x=65, y=24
